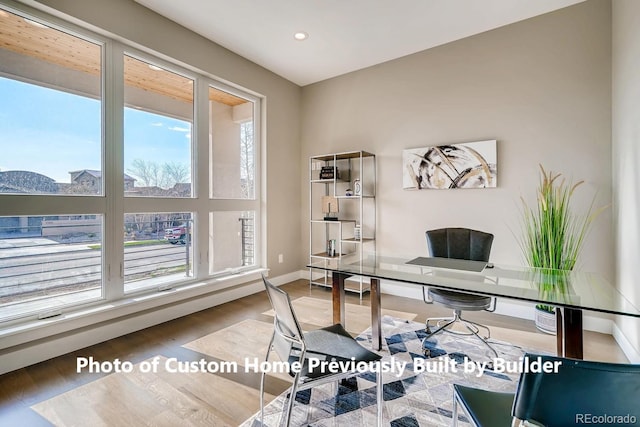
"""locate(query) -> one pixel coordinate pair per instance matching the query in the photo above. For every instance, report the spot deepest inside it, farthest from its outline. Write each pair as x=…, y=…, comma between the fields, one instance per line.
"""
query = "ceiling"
x=344, y=35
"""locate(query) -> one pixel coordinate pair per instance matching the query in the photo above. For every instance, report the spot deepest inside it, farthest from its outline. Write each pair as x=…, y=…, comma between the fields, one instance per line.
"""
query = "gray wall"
x=541, y=87
x=626, y=149
x=130, y=21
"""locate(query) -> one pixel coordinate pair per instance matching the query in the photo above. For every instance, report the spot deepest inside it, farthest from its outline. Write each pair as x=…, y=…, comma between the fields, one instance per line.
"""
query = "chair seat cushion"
x=460, y=300
x=486, y=408
x=333, y=343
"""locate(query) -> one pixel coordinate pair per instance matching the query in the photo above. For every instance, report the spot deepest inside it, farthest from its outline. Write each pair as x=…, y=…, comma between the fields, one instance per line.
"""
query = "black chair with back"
x=458, y=243
x=332, y=343
x=570, y=392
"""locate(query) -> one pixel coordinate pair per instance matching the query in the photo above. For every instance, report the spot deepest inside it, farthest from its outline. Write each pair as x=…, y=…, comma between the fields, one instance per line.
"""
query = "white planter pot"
x=545, y=321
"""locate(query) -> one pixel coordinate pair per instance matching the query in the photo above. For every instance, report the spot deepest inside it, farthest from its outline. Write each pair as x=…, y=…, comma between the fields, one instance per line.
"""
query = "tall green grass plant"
x=552, y=234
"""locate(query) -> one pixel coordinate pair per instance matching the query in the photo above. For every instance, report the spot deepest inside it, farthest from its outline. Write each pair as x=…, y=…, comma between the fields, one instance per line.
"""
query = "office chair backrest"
x=578, y=390
x=459, y=243
x=286, y=324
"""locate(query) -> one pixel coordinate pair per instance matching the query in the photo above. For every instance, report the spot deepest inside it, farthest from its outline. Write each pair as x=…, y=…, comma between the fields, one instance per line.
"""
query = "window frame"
x=236, y=204
x=172, y=68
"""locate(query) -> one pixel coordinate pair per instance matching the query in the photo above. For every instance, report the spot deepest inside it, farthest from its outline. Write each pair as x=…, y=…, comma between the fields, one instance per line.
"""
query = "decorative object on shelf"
x=357, y=187
x=553, y=235
x=329, y=172
x=330, y=208
x=331, y=247
x=466, y=165
x=348, y=192
x=356, y=232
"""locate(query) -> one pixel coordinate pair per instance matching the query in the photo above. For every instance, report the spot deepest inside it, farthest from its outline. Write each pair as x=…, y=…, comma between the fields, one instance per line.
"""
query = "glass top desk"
x=569, y=291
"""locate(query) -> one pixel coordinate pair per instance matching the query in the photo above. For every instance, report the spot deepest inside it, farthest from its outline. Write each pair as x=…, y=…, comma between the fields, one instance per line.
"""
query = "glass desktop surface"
x=572, y=289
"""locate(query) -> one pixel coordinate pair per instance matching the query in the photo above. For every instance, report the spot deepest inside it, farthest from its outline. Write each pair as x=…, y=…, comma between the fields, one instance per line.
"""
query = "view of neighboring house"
x=92, y=179
x=84, y=181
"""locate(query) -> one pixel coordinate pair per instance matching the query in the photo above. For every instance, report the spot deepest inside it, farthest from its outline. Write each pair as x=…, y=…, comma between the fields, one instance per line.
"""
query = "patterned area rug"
x=419, y=396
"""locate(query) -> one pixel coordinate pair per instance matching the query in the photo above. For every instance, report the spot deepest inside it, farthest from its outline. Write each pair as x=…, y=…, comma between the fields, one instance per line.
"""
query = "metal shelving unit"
x=354, y=230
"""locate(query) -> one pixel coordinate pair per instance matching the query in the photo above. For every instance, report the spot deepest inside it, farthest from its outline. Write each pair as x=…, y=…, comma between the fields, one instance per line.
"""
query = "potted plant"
x=553, y=236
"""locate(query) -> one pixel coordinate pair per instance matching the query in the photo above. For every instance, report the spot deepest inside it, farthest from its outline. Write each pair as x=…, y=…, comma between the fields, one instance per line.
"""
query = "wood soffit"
x=57, y=47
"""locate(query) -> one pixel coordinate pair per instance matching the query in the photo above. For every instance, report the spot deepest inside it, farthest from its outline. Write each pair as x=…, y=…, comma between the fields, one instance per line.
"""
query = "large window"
x=122, y=173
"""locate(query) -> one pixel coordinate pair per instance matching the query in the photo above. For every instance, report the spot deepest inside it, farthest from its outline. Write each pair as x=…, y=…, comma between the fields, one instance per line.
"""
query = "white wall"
x=626, y=160
x=541, y=87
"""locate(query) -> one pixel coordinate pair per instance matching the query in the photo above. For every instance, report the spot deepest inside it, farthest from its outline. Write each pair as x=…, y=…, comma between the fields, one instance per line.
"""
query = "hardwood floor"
x=52, y=392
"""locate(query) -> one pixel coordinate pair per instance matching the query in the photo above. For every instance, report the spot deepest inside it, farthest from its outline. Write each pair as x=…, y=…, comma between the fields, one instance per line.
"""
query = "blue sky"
x=53, y=132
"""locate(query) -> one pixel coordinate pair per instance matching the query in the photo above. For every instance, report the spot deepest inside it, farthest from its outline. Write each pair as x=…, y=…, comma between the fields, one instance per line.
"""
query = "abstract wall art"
x=465, y=165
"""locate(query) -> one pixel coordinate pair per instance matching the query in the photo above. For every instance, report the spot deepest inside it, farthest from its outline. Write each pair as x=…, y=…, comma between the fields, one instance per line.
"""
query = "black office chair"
x=459, y=243
x=577, y=392
x=332, y=343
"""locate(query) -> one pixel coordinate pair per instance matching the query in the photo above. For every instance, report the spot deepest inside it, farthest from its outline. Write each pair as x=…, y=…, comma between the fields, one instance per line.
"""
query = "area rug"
x=421, y=395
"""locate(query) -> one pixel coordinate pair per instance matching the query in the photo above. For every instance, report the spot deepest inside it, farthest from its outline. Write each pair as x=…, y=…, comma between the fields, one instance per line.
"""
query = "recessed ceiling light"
x=301, y=35
x=34, y=23
x=155, y=67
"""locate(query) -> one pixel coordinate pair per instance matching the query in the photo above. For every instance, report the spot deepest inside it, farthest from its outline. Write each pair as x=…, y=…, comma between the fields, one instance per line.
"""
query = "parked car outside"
x=177, y=234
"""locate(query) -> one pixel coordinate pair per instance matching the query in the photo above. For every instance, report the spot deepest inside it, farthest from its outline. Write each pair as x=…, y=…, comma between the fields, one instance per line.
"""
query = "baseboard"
x=627, y=348
x=38, y=350
x=289, y=277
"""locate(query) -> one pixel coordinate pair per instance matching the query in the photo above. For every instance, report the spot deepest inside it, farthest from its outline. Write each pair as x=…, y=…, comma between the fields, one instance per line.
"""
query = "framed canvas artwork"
x=464, y=165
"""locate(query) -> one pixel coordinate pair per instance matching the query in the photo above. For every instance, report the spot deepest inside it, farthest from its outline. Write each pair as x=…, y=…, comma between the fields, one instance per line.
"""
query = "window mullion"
x=201, y=176
x=114, y=170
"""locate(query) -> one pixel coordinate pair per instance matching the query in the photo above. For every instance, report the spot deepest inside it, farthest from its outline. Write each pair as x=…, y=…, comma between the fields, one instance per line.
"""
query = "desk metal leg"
x=376, y=326
x=569, y=332
x=338, y=297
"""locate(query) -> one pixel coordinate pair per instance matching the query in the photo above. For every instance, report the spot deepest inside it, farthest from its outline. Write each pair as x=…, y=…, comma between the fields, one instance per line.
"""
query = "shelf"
x=326, y=255
x=328, y=181
x=355, y=197
x=365, y=240
x=342, y=156
x=330, y=221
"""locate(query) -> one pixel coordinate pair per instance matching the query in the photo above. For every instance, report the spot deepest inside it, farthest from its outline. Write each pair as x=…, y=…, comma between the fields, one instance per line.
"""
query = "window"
x=51, y=145
x=232, y=242
x=49, y=262
x=158, y=119
x=158, y=250
x=50, y=110
x=70, y=132
x=232, y=146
